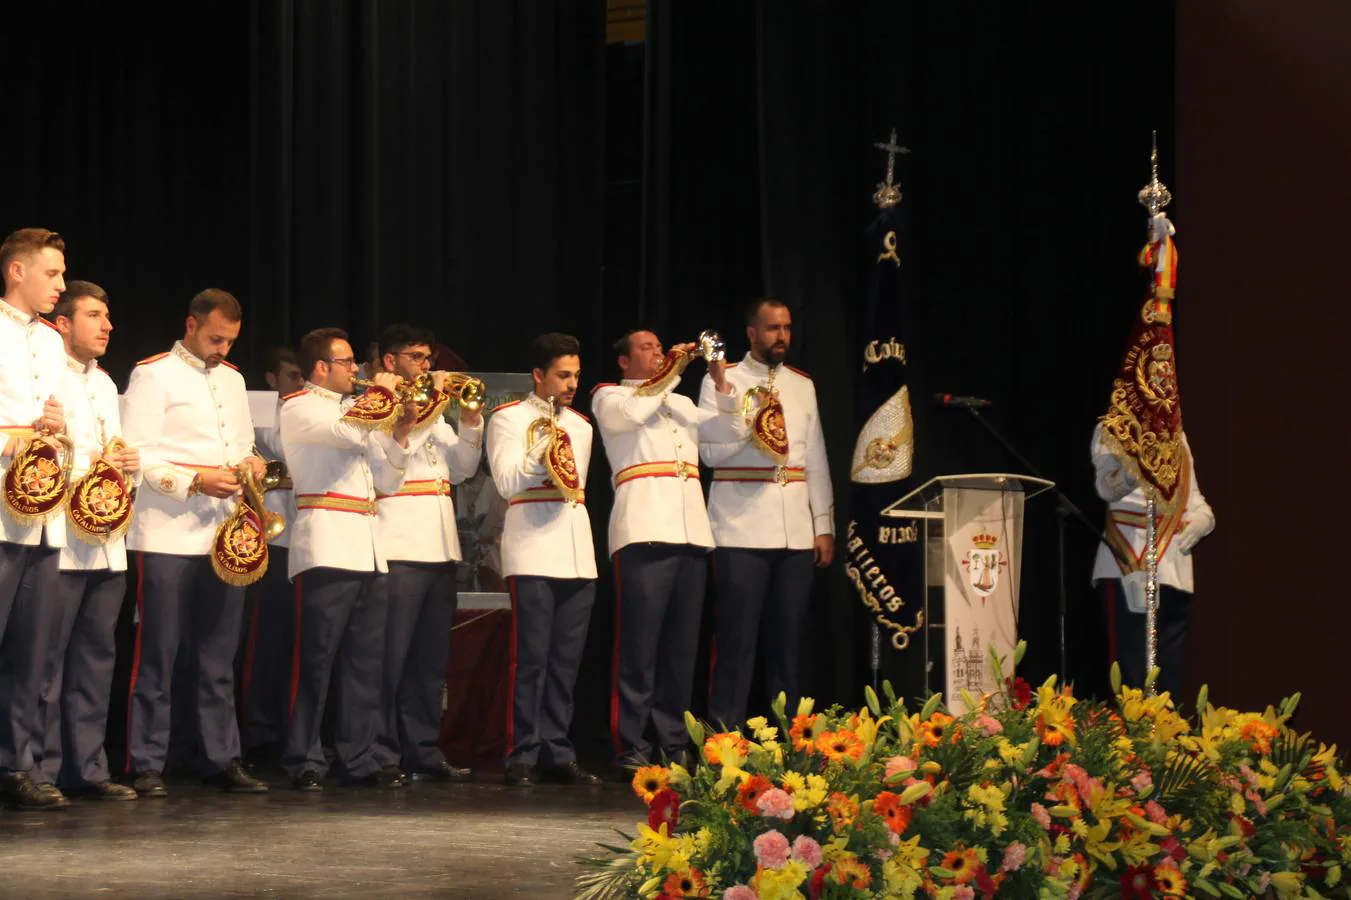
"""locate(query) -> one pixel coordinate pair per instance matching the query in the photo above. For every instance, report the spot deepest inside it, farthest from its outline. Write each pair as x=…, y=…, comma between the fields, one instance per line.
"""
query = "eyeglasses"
x=346, y=363
x=416, y=358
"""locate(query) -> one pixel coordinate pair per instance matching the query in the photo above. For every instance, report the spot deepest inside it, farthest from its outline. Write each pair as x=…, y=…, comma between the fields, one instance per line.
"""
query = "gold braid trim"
x=860, y=566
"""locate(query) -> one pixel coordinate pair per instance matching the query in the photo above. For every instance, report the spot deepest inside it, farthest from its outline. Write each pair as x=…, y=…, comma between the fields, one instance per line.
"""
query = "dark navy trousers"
x=28, y=582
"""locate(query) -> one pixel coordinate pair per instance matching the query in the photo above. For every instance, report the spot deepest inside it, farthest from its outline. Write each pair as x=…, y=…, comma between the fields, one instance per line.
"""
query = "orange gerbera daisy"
x=1259, y=734
x=896, y=814
x=932, y=732
x=680, y=885
x=726, y=740
x=650, y=779
x=836, y=745
x=1170, y=881
x=963, y=863
x=750, y=790
x=803, y=732
x=843, y=810
x=850, y=871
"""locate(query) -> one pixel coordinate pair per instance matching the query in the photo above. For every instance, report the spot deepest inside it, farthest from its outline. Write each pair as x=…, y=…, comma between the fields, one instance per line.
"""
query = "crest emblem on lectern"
x=983, y=562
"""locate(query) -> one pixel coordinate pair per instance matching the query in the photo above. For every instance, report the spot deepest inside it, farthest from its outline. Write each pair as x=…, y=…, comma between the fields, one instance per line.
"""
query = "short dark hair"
x=25, y=241
x=548, y=347
x=624, y=346
x=753, y=308
x=74, y=291
x=215, y=300
x=278, y=357
x=318, y=345
x=402, y=336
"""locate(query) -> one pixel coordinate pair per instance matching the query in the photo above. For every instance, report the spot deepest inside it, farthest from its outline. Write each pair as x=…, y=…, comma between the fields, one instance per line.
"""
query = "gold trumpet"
x=466, y=390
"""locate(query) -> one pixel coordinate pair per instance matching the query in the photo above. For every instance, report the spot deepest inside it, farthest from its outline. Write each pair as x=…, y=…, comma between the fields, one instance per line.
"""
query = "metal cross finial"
x=889, y=192
x=1155, y=195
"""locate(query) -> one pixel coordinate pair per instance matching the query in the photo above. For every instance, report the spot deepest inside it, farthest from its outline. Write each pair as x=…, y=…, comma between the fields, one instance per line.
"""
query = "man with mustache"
x=93, y=578
x=547, y=557
x=773, y=515
x=33, y=263
x=188, y=412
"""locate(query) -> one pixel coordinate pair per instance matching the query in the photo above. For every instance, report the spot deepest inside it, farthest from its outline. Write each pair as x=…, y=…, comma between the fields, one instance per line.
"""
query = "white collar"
x=540, y=403
x=758, y=368
x=323, y=392
x=189, y=357
x=80, y=368
x=18, y=318
x=632, y=382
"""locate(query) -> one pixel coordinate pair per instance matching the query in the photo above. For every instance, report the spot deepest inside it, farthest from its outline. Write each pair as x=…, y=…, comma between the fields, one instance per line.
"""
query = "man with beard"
x=422, y=546
x=540, y=449
x=340, y=459
x=187, y=411
x=93, y=577
x=33, y=263
x=773, y=516
x=659, y=537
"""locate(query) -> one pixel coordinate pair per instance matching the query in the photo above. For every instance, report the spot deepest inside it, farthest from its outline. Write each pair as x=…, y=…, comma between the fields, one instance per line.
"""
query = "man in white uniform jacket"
x=547, y=558
x=660, y=537
x=1121, y=586
x=773, y=515
x=32, y=373
x=187, y=411
x=93, y=578
x=422, y=546
x=269, y=633
x=339, y=465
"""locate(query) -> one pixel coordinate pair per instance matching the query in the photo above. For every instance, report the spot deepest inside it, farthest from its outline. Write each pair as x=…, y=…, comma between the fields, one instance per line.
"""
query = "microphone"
x=949, y=400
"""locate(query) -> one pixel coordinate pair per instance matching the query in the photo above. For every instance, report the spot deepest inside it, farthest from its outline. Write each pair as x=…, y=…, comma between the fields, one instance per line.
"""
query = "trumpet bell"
x=467, y=391
x=711, y=346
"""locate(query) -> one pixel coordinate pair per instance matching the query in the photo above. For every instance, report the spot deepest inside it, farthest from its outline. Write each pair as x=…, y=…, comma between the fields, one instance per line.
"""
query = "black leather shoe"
x=149, y=784
x=235, y=779
x=571, y=773
x=444, y=771
x=391, y=777
x=106, y=790
x=20, y=790
x=520, y=775
x=308, y=780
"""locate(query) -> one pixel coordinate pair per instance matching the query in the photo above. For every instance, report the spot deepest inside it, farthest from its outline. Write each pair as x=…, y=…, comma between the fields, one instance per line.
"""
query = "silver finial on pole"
x=1155, y=195
x=888, y=192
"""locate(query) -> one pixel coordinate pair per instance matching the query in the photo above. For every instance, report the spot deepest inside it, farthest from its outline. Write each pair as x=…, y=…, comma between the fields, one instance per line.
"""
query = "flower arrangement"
x=1030, y=793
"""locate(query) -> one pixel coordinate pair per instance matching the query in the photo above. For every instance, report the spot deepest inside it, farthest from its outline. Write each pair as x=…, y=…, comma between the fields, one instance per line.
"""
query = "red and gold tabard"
x=561, y=464
x=667, y=375
x=35, y=483
x=378, y=407
x=1143, y=423
x=769, y=431
x=100, y=506
x=239, y=552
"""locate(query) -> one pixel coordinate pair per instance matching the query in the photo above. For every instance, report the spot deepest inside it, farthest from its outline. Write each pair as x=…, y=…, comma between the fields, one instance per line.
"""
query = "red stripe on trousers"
x=295, y=655
x=136, y=653
x=614, y=662
x=511, y=670
x=1111, y=619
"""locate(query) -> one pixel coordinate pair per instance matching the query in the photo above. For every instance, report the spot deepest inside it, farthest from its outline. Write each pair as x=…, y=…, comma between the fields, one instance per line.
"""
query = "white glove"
x=1112, y=481
x=1133, y=586
x=1200, y=522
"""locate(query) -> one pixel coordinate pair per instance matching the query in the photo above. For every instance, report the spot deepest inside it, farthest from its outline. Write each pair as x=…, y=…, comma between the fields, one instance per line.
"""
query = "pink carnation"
x=1155, y=813
x=738, y=892
x=963, y=892
x=1041, y=815
x=1015, y=855
x=988, y=724
x=898, y=764
x=776, y=804
x=1142, y=782
x=807, y=851
x=771, y=850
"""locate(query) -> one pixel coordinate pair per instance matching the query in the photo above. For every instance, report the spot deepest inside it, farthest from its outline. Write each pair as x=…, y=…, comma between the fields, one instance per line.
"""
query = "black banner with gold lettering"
x=883, y=556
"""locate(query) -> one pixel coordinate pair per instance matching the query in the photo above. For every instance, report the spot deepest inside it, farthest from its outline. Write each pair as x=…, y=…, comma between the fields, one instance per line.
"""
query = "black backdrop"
x=490, y=169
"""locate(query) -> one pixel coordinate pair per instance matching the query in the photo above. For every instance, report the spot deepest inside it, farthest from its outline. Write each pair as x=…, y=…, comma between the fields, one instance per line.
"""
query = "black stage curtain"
x=366, y=161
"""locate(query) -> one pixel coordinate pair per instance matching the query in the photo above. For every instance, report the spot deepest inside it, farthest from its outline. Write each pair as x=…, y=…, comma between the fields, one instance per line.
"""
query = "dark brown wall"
x=1264, y=197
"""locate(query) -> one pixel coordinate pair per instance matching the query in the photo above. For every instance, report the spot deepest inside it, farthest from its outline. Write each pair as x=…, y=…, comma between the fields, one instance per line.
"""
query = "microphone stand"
x=1065, y=510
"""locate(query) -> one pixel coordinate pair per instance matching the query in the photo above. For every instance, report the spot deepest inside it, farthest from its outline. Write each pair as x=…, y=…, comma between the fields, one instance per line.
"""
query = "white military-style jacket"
x=282, y=501
x=184, y=417
x=32, y=368
x=338, y=468
x=652, y=443
x=544, y=535
x=417, y=522
x=92, y=420
x=1126, y=517
x=753, y=503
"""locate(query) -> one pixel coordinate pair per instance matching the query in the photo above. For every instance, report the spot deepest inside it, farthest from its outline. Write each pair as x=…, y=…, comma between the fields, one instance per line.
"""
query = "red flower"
x=748, y=795
x=1019, y=691
x=1173, y=848
x=1245, y=827
x=1137, y=883
x=818, y=882
x=665, y=807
